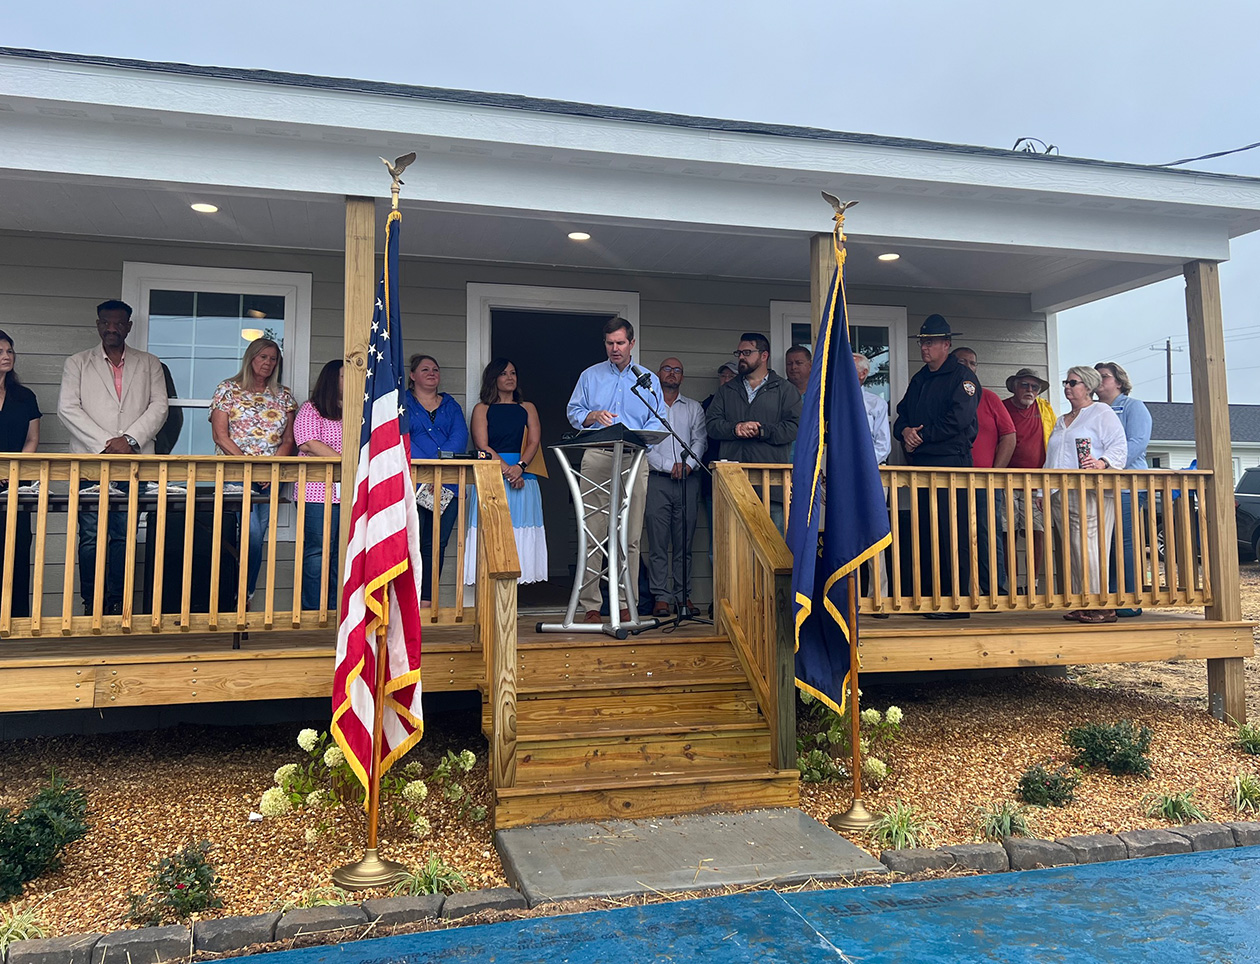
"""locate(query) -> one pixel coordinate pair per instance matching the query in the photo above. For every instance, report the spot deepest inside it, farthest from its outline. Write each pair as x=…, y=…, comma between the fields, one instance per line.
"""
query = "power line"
x=1208, y=157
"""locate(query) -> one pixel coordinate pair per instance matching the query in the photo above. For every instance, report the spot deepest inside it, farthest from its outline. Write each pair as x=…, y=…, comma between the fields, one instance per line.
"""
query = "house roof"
x=578, y=109
x=1174, y=422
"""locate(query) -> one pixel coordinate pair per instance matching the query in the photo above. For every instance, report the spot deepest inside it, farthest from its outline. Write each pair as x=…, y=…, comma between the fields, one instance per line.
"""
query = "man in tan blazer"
x=113, y=401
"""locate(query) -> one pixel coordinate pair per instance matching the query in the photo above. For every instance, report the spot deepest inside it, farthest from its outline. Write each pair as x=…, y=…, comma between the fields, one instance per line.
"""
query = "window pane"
x=872, y=341
x=194, y=435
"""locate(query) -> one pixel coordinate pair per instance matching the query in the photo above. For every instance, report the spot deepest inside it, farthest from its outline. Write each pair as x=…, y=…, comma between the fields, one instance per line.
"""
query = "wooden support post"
x=360, y=267
x=822, y=265
x=783, y=683
x=1226, y=693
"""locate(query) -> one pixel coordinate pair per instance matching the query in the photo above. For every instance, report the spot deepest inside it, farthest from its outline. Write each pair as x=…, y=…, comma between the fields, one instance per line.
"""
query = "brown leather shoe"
x=593, y=616
x=661, y=610
x=625, y=615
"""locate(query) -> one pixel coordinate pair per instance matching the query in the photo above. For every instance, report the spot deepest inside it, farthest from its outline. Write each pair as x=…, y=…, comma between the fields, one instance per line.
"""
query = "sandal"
x=1074, y=615
x=1097, y=616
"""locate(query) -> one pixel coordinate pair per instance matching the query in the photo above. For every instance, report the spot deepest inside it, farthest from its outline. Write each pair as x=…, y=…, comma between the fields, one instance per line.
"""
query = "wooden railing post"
x=1227, y=697
x=357, y=322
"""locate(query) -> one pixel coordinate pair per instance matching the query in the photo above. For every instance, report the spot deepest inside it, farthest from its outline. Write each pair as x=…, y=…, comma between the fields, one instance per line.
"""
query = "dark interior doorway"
x=550, y=349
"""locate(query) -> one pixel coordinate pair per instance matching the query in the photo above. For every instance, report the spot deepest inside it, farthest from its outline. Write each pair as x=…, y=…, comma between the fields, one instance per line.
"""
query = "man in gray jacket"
x=755, y=416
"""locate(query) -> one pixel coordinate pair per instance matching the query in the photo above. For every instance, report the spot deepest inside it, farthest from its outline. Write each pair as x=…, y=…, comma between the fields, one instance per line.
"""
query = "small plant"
x=433, y=877
x=328, y=895
x=1174, y=807
x=1246, y=793
x=1043, y=787
x=21, y=924
x=826, y=744
x=179, y=886
x=902, y=827
x=1120, y=747
x=1248, y=735
x=1005, y=819
x=32, y=842
x=817, y=766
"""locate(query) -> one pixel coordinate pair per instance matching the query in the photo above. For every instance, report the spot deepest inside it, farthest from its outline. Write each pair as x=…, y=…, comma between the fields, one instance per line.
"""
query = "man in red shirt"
x=995, y=441
x=1034, y=420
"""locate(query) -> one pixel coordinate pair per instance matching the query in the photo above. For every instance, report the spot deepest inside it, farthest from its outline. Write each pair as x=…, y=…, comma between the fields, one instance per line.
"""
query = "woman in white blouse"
x=1089, y=437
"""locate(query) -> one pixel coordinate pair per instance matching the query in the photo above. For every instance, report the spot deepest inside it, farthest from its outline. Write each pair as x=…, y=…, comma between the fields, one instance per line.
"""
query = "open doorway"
x=550, y=349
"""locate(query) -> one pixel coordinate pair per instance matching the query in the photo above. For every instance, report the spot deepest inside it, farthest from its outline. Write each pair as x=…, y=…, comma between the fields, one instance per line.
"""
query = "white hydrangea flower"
x=894, y=715
x=415, y=792
x=317, y=799
x=871, y=717
x=275, y=802
x=874, y=769
x=307, y=739
x=414, y=770
x=864, y=746
x=312, y=835
x=467, y=760
x=286, y=773
x=421, y=828
x=333, y=757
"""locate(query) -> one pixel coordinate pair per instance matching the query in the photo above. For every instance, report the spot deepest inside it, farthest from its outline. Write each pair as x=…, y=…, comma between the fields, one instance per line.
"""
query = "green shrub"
x=902, y=827
x=433, y=877
x=1248, y=735
x=824, y=751
x=179, y=886
x=1120, y=747
x=32, y=842
x=1246, y=793
x=1174, y=807
x=1005, y=819
x=1043, y=787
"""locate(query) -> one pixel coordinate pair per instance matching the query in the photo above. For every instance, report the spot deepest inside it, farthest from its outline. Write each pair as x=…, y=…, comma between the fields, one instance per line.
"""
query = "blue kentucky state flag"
x=854, y=521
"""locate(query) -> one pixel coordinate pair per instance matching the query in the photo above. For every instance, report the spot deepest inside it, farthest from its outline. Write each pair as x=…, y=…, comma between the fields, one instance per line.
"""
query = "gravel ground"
x=964, y=745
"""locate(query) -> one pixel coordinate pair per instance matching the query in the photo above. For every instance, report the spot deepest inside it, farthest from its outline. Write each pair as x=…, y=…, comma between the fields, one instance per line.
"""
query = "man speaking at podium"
x=603, y=397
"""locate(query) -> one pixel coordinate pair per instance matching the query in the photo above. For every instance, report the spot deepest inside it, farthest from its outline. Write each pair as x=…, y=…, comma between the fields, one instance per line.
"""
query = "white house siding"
x=49, y=287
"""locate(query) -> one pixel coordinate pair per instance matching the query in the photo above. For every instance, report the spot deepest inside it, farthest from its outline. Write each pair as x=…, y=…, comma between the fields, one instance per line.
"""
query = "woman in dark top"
x=506, y=428
x=19, y=432
x=437, y=426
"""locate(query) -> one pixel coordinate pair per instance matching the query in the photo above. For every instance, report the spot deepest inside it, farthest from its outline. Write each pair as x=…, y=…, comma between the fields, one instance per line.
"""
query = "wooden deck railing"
x=184, y=557
x=752, y=574
x=936, y=509
x=498, y=569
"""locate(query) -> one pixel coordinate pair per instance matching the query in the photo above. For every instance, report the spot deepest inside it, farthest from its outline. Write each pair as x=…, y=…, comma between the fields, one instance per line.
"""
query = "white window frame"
x=484, y=298
x=893, y=317
x=140, y=278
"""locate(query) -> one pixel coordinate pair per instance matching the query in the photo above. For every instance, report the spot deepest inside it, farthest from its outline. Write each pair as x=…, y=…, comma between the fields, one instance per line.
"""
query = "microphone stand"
x=679, y=617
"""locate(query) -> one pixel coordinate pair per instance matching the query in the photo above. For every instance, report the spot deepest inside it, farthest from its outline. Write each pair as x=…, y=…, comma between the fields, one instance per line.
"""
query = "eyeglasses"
x=1072, y=382
x=1029, y=386
x=745, y=352
x=671, y=368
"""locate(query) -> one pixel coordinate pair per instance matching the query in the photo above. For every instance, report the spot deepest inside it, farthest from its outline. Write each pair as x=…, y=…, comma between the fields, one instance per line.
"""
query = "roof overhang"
x=120, y=150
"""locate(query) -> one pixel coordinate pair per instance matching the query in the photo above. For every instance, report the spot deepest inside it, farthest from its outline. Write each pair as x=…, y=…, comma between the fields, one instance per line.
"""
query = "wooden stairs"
x=637, y=728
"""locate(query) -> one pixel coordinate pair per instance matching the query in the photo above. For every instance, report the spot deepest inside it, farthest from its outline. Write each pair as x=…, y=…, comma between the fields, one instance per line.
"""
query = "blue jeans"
x=1126, y=517
x=115, y=555
x=445, y=528
x=313, y=554
x=259, y=522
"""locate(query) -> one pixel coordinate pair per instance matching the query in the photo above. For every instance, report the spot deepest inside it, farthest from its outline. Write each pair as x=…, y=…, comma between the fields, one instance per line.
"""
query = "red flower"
x=180, y=886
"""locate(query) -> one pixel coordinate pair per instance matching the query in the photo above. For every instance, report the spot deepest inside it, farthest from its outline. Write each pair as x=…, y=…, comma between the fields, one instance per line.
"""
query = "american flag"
x=382, y=555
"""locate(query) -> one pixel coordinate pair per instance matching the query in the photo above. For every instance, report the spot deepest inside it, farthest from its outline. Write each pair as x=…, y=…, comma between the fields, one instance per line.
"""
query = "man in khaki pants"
x=602, y=398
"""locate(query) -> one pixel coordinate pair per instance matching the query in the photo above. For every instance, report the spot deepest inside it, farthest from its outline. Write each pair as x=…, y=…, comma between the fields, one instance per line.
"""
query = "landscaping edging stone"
x=312, y=920
x=494, y=898
x=148, y=945
x=70, y=949
x=233, y=933
x=1029, y=853
x=389, y=911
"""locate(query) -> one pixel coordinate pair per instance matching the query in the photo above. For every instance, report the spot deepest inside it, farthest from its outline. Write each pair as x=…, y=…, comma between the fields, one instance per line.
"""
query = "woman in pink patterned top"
x=317, y=432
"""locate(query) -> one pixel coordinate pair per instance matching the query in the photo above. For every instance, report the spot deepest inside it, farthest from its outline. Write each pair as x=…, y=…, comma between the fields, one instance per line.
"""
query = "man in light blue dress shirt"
x=603, y=397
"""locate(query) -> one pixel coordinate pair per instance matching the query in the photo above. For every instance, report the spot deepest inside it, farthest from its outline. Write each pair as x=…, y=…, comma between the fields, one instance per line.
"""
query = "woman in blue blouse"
x=1136, y=419
x=437, y=425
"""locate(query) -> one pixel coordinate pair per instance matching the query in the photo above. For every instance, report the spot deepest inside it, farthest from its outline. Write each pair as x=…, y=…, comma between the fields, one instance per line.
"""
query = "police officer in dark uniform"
x=936, y=424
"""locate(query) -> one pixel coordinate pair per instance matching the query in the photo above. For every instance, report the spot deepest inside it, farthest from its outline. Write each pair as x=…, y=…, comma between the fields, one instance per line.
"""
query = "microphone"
x=644, y=378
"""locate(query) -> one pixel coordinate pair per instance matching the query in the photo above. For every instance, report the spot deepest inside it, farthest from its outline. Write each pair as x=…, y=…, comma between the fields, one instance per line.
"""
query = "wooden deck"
x=102, y=671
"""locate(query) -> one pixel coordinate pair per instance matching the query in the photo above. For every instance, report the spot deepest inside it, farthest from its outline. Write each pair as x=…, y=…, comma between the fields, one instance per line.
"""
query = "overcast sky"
x=1148, y=82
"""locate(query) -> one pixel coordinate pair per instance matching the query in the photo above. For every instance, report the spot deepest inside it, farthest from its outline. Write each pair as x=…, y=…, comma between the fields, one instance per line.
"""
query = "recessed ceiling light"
x=889, y=256
x=202, y=208
x=579, y=236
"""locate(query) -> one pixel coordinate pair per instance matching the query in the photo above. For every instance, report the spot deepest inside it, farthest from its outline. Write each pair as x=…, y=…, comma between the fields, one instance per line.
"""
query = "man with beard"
x=936, y=425
x=673, y=496
x=756, y=415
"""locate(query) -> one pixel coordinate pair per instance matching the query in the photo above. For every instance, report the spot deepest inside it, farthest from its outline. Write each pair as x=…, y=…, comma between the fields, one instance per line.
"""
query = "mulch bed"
x=963, y=745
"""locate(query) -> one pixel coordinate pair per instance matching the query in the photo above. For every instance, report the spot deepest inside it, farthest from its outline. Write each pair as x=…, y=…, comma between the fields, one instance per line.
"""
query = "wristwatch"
x=132, y=442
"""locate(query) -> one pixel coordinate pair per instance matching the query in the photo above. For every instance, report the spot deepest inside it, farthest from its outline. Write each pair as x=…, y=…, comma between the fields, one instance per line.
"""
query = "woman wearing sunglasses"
x=1091, y=438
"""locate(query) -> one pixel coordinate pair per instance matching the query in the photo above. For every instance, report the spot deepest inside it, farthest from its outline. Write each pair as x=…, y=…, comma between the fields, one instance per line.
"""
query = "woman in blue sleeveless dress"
x=501, y=425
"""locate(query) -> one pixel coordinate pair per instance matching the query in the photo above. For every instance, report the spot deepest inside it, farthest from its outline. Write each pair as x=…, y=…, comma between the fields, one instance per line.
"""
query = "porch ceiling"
x=110, y=209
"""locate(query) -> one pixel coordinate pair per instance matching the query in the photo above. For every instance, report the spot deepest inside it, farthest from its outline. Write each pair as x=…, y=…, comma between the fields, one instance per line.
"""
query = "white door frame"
x=484, y=298
x=892, y=317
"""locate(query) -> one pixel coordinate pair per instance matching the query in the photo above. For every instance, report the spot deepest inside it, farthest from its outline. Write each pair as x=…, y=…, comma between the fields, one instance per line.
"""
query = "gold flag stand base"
x=371, y=871
x=857, y=817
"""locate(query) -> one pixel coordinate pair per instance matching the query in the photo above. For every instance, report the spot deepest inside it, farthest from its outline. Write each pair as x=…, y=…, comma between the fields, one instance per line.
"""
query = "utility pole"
x=1168, y=349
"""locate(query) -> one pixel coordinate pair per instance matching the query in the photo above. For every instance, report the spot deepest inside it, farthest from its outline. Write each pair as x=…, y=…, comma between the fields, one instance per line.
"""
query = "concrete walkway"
x=1185, y=908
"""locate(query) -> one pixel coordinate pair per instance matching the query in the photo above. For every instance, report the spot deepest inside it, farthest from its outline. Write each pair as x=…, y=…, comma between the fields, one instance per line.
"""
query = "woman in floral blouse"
x=251, y=413
x=317, y=432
